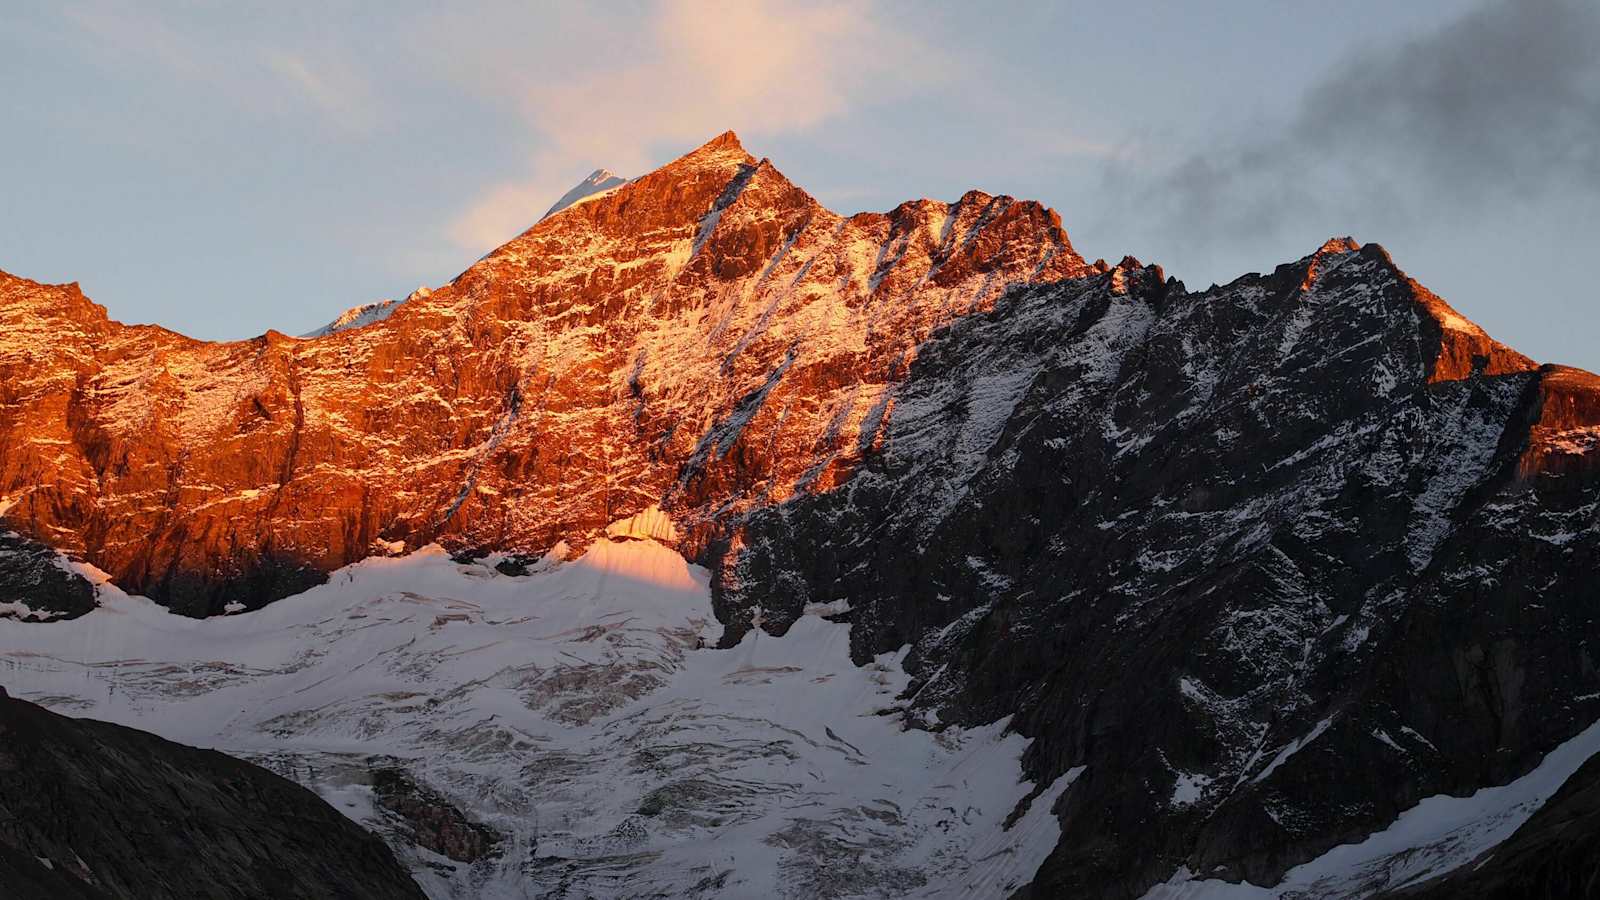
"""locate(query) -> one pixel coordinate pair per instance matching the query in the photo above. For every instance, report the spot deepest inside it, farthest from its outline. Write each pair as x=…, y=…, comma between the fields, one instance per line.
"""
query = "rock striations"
x=1264, y=565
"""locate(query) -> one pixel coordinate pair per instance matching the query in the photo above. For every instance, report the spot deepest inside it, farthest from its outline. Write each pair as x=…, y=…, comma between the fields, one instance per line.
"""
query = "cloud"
x=206, y=54
x=334, y=89
x=115, y=28
x=1499, y=108
x=759, y=67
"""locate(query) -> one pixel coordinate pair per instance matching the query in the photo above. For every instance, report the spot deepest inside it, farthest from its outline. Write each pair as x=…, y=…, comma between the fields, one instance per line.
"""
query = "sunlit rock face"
x=1249, y=573
x=706, y=337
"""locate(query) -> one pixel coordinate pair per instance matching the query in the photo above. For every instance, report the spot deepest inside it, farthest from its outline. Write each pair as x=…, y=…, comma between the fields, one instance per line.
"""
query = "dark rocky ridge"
x=119, y=813
x=33, y=584
x=1207, y=529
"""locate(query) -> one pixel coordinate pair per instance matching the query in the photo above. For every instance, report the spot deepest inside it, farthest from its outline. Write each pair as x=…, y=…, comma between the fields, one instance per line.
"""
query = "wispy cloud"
x=760, y=67
x=336, y=90
x=116, y=28
x=252, y=69
x=1499, y=108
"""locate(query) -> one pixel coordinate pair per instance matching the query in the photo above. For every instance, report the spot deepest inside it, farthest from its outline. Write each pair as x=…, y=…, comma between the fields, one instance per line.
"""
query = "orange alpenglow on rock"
x=705, y=337
x=704, y=340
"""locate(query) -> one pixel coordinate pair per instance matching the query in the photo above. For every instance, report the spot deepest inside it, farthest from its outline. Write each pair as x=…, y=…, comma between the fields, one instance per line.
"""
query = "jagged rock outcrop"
x=94, y=810
x=1264, y=560
x=34, y=585
x=1264, y=565
x=430, y=820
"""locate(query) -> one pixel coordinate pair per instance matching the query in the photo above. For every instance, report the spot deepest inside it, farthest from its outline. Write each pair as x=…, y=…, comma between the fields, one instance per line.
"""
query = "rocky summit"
x=698, y=506
x=707, y=338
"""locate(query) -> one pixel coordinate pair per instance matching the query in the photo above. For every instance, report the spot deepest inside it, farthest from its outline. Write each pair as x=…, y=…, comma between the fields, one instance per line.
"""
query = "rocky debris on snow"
x=37, y=585
x=430, y=820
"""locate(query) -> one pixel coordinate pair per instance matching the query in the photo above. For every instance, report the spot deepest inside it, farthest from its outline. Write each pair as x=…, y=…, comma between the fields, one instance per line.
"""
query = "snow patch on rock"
x=356, y=317
x=599, y=183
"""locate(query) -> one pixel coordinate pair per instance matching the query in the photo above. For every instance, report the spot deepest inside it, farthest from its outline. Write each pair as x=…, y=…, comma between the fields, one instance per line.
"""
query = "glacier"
x=581, y=713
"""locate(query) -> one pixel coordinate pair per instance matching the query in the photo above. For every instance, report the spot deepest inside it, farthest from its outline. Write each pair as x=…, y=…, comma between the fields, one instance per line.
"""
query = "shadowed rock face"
x=93, y=810
x=35, y=586
x=1271, y=562
x=1249, y=556
x=27, y=878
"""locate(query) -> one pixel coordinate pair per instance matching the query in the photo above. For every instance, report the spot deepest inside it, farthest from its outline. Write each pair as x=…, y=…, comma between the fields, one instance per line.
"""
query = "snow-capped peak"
x=598, y=182
x=361, y=316
x=355, y=317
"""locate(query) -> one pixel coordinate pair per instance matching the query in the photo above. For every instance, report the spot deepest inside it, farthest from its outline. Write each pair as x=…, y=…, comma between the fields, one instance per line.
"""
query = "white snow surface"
x=357, y=317
x=580, y=711
x=599, y=183
x=1438, y=835
x=21, y=610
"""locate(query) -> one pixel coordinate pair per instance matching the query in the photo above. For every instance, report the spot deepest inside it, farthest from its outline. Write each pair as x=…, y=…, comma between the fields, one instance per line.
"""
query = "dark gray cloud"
x=1500, y=108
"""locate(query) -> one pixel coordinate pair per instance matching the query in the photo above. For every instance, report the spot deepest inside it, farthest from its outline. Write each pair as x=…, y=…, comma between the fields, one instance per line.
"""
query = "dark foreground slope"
x=93, y=810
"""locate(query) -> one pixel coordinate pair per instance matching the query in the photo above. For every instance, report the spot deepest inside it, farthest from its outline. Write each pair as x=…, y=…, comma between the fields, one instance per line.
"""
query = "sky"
x=222, y=169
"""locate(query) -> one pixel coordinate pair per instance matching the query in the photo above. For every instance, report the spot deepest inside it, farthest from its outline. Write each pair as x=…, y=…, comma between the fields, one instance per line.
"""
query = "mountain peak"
x=724, y=141
x=1338, y=245
x=1462, y=348
x=356, y=317
x=717, y=152
x=598, y=182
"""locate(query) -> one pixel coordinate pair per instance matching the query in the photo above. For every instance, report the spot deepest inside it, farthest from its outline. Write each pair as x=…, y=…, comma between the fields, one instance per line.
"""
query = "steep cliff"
x=707, y=337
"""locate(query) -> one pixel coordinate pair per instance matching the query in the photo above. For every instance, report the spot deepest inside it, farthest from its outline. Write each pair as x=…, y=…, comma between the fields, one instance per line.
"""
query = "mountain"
x=1268, y=561
x=599, y=181
x=708, y=338
x=93, y=810
x=1282, y=583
